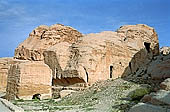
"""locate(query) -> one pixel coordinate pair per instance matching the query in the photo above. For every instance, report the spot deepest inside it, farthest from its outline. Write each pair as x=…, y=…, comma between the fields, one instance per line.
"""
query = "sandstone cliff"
x=44, y=37
x=76, y=58
x=104, y=55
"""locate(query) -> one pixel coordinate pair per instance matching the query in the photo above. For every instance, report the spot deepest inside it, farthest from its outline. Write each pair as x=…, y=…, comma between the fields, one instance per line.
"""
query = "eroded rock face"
x=56, y=57
x=3, y=73
x=4, y=67
x=160, y=68
x=112, y=54
x=28, y=78
x=42, y=38
x=165, y=50
x=92, y=57
x=104, y=55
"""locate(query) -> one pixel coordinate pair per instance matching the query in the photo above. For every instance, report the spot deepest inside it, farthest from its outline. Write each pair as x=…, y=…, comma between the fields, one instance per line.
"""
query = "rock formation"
x=165, y=50
x=104, y=55
x=4, y=66
x=75, y=58
x=109, y=54
x=28, y=78
x=44, y=37
x=92, y=57
x=159, y=68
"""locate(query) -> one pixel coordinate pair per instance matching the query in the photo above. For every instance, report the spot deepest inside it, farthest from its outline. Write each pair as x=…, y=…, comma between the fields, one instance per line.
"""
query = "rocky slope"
x=136, y=93
x=61, y=56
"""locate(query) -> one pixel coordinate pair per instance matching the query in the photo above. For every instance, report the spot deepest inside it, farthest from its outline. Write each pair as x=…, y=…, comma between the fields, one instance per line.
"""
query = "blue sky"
x=19, y=17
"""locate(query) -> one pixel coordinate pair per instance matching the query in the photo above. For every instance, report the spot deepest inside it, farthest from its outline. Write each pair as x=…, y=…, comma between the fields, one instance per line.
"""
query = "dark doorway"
x=111, y=71
x=147, y=46
x=130, y=66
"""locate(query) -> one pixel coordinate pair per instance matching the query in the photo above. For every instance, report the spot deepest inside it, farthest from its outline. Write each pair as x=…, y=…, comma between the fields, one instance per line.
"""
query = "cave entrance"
x=147, y=46
x=111, y=71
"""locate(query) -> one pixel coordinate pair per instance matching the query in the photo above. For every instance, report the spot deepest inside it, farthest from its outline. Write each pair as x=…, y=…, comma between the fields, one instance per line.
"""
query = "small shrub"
x=139, y=93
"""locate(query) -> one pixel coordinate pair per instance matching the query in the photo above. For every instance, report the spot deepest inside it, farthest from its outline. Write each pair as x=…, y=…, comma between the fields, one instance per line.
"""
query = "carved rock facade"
x=104, y=55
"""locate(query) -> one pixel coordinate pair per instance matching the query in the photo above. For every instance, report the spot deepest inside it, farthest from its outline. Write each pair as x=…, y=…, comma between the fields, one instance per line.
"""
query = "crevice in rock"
x=87, y=75
x=42, y=34
x=130, y=66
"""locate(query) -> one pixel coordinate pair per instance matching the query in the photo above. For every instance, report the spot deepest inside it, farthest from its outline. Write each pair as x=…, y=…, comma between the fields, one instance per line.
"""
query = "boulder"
x=64, y=93
x=165, y=50
x=165, y=84
x=160, y=68
x=161, y=97
x=44, y=37
x=27, y=79
x=144, y=107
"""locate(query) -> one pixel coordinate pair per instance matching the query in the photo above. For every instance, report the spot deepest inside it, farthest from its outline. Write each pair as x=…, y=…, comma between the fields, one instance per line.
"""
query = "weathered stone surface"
x=56, y=57
x=165, y=50
x=143, y=107
x=92, y=57
x=110, y=54
x=64, y=93
x=165, y=84
x=4, y=66
x=161, y=97
x=44, y=37
x=160, y=68
x=104, y=55
x=29, y=78
x=3, y=73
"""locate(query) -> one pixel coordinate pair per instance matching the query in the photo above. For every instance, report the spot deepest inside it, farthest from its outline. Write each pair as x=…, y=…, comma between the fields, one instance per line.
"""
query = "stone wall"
x=29, y=78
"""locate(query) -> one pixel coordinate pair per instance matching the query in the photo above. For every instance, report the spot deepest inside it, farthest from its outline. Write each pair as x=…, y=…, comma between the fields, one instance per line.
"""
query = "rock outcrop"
x=165, y=50
x=76, y=58
x=92, y=57
x=4, y=67
x=28, y=78
x=159, y=68
x=112, y=54
x=44, y=37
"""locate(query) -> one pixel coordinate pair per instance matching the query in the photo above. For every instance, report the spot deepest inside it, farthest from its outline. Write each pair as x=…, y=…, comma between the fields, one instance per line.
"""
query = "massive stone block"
x=29, y=78
x=44, y=37
x=4, y=67
x=3, y=73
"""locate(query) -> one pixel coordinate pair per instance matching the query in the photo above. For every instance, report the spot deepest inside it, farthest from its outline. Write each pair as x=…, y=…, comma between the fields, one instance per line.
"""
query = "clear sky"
x=19, y=17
